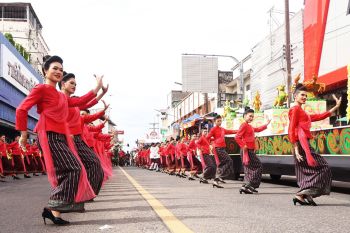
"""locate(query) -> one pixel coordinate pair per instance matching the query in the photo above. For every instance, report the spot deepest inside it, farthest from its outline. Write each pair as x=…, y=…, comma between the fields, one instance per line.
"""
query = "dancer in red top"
x=3, y=157
x=18, y=157
x=170, y=151
x=245, y=138
x=207, y=160
x=65, y=171
x=40, y=165
x=312, y=171
x=76, y=124
x=224, y=162
x=195, y=164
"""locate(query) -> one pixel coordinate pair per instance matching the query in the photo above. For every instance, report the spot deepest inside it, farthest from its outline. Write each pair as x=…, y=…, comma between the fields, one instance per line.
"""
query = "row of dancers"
x=14, y=160
x=177, y=156
x=76, y=153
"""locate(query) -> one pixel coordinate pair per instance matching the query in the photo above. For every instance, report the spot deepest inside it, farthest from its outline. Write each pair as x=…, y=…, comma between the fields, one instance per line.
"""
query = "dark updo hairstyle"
x=299, y=87
x=66, y=77
x=217, y=117
x=249, y=110
x=47, y=60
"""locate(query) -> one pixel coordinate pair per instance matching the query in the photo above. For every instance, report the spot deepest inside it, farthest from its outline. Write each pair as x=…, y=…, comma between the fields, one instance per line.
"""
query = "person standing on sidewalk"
x=223, y=161
x=313, y=174
x=245, y=138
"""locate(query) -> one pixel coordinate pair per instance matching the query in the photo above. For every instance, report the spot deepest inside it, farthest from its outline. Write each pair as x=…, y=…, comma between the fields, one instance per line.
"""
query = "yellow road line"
x=173, y=223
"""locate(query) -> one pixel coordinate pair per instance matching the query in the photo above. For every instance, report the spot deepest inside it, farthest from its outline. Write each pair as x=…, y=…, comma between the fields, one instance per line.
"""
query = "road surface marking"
x=169, y=219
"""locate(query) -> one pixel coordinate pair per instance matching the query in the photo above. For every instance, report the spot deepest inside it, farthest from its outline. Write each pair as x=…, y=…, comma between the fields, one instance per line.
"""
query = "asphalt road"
x=121, y=208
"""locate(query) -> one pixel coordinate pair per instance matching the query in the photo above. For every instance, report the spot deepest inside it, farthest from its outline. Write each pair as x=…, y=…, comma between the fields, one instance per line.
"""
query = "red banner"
x=315, y=20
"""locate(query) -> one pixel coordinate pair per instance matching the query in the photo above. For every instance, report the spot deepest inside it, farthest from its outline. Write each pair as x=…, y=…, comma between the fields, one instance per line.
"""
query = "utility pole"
x=288, y=48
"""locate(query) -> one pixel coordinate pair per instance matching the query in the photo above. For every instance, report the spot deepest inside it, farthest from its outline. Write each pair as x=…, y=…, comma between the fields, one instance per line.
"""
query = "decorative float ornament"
x=229, y=112
x=348, y=108
x=281, y=99
x=312, y=87
x=257, y=102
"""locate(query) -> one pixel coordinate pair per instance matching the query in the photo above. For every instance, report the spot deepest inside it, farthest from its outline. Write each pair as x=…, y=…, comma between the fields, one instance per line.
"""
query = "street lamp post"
x=241, y=75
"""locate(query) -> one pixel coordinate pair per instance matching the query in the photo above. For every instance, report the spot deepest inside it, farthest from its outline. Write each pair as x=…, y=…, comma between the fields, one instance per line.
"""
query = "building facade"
x=17, y=78
x=268, y=56
x=21, y=21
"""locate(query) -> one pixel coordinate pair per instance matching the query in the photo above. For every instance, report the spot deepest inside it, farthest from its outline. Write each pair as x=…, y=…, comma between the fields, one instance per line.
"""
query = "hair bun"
x=45, y=58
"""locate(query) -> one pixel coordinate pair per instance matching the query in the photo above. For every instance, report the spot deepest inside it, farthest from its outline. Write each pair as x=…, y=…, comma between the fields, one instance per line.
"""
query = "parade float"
x=331, y=139
x=273, y=145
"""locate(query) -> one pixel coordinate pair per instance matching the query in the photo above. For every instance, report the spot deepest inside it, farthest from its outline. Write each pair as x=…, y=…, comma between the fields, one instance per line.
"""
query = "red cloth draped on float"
x=315, y=20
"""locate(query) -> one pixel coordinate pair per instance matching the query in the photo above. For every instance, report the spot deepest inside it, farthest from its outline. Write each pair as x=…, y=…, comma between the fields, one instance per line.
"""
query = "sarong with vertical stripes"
x=67, y=170
x=225, y=166
x=252, y=171
x=314, y=181
x=91, y=163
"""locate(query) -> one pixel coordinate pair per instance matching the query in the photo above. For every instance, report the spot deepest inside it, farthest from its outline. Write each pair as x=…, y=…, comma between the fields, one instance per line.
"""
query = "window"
x=348, y=11
x=247, y=88
x=15, y=12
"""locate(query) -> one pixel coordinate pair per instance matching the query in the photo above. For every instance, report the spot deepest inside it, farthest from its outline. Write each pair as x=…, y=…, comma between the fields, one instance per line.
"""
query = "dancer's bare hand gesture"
x=337, y=103
x=297, y=154
x=105, y=89
x=106, y=119
x=23, y=141
x=106, y=106
x=99, y=83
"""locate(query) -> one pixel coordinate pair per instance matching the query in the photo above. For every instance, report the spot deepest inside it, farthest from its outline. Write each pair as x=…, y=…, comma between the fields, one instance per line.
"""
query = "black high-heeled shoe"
x=221, y=180
x=245, y=191
x=27, y=176
x=204, y=181
x=251, y=188
x=216, y=185
x=191, y=178
x=15, y=177
x=47, y=214
x=311, y=201
x=296, y=200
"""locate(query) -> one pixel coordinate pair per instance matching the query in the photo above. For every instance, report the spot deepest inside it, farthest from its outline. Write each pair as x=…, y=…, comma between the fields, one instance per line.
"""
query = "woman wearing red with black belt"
x=312, y=171
x=65, y=171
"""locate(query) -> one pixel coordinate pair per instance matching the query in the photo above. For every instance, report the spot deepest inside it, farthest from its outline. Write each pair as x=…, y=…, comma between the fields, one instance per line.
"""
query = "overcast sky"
x=137, y=44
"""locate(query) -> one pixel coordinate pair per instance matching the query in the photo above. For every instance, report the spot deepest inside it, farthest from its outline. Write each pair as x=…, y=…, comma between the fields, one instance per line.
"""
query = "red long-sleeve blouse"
x=170, y=149
x=298, y=116
x=218, y=134
x=245, y=135
x=14, y=147
x=203, y=145
x=46, y=96
x=3, y=149
x=183, y=149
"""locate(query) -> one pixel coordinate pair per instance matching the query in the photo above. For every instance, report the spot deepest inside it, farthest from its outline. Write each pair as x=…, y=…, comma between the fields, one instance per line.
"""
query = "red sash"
x=302, y=126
